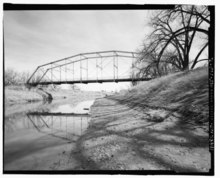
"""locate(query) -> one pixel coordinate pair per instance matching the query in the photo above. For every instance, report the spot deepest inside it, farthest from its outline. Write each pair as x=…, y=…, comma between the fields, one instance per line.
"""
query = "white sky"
x=33, y=38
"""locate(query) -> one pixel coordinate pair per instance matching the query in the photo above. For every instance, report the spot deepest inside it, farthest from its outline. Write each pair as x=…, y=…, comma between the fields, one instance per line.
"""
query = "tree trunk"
x=186, y=63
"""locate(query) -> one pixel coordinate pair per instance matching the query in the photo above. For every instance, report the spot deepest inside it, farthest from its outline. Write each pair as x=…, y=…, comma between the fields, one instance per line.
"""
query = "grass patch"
x=13, y=95
x=183, y=92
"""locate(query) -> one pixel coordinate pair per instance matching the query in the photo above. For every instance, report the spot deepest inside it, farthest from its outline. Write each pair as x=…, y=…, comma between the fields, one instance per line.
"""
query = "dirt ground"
x=123, y=138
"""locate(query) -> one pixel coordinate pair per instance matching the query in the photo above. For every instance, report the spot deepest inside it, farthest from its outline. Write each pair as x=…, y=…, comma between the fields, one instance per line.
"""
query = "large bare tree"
x=175, y=34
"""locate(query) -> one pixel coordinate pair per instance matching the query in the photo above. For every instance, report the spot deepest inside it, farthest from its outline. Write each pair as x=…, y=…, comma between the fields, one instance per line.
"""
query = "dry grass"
x=20, y=96
x=184, y=92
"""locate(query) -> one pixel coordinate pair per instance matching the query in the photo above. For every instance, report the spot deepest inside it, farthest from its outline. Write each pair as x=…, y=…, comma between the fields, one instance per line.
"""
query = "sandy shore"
x=123, y=138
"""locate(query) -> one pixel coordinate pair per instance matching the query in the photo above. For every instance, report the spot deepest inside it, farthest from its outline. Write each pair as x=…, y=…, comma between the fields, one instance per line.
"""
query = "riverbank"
x=158, y=125
x=19, y=99
x=21, y=94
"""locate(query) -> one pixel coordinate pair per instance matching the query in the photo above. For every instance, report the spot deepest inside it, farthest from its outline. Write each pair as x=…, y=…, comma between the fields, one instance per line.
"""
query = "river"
x=43, y=136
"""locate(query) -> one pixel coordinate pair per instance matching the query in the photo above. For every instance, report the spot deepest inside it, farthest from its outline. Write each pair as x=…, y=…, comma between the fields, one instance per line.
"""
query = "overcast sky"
x=36, y=37
x=33, y=38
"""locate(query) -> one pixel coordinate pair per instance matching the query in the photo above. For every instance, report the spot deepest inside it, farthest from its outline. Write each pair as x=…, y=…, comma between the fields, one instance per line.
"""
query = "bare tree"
x=173, y=37
x=148, y=65
x=23, y=77
x=11, y=77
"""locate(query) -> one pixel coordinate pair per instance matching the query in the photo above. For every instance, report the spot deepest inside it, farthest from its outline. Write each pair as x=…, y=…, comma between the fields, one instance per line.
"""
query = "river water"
x=43, y=136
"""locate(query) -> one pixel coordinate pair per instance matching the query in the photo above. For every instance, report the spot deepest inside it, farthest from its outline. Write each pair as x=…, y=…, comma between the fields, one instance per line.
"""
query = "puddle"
x=34, y=140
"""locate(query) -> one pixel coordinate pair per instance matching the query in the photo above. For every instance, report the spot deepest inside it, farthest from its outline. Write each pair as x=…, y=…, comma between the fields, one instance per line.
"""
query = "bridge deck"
x=58, y=114
x=89, y=81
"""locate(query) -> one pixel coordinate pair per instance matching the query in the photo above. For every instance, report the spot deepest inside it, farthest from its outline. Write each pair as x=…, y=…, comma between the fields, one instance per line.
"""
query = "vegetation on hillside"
x=184, y=92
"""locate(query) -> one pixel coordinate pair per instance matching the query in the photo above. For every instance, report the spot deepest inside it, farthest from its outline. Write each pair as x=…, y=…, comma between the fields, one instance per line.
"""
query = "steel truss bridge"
x=95, y=67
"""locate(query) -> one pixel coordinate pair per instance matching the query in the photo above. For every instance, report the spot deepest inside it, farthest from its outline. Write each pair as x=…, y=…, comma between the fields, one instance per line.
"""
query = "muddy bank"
x=123, y=138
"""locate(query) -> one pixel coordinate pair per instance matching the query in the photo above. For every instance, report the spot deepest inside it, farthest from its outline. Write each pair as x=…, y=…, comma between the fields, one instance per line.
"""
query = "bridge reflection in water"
x=68, y=126
x=38, y=140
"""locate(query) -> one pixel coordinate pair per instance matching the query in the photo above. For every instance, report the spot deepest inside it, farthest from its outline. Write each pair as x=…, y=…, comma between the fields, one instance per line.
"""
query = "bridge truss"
x=95, y=67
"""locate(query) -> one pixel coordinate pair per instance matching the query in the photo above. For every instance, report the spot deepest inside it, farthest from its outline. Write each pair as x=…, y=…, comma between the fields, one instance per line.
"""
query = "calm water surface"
x=44, y=137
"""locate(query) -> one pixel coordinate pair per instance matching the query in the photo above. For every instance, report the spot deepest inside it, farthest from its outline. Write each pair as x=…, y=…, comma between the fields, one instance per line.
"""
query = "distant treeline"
x=12, y=77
